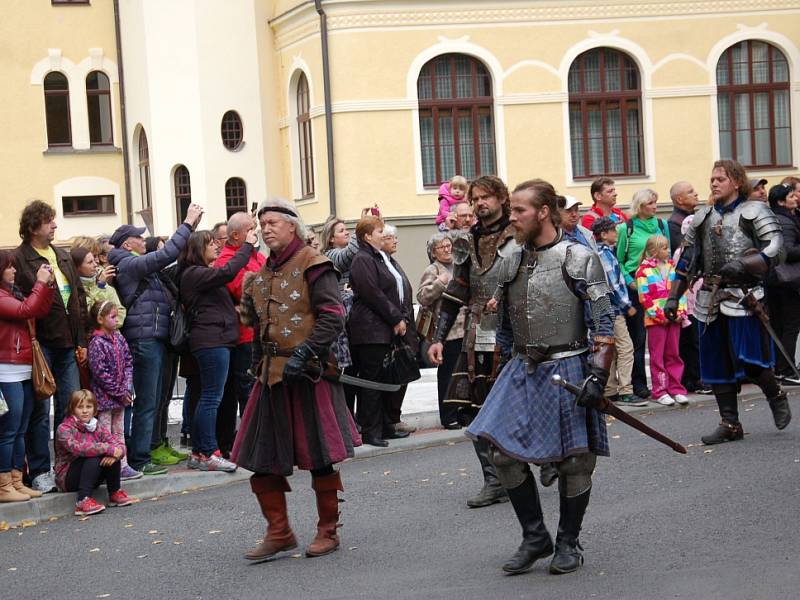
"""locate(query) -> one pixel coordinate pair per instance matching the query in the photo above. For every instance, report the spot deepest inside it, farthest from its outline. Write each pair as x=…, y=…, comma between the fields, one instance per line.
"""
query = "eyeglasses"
x=447, y=247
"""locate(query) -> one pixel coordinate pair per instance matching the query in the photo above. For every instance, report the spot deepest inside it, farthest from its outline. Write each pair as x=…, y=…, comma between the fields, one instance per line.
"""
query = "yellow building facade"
x=60, y=127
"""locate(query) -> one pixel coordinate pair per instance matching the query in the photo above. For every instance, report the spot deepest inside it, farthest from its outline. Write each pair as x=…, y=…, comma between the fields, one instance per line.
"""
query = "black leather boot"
x=568, y=557
x=726, y=431
x=491, y=492
x=536, y=541
x=548, y=474
x=781, y=413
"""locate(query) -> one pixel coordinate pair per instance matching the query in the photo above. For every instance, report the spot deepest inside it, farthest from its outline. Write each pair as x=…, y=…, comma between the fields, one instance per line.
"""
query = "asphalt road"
x=718, y=523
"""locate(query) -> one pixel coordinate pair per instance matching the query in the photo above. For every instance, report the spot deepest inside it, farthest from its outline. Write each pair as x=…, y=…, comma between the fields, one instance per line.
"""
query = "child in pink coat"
x=450, y=193
x=654, y=279
x=87, y=454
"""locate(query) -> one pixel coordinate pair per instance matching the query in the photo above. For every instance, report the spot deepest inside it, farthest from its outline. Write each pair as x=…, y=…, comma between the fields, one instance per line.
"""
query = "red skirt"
x=304, y=425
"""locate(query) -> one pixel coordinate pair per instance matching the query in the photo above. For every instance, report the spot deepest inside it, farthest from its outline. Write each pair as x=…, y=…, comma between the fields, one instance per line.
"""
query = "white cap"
x=571, y=201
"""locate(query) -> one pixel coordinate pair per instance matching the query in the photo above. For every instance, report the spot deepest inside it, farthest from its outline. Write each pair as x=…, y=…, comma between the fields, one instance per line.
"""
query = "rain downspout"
x=123, y=117
x=326, y=81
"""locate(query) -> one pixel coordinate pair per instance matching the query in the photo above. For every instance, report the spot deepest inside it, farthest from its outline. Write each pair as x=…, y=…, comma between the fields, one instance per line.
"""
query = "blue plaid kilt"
x=532, y=420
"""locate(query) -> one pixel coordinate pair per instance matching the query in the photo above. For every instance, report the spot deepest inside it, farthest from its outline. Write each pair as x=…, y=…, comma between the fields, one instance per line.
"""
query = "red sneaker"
x=120, y=498
x=88, y=506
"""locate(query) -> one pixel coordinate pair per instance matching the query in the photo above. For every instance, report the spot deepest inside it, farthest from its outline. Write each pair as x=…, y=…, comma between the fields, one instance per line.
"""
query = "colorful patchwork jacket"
x=654, y=280
x=111, y=365
x=73, y=441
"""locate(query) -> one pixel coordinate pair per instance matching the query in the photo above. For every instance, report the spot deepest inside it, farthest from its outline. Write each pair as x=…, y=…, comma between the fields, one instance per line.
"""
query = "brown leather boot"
x=327, y=540
x=16, y=481
x=7, y=491
x=270, y=490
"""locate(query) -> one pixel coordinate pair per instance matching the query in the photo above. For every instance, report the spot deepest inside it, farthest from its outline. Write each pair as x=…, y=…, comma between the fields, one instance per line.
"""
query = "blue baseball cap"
x=123, y=232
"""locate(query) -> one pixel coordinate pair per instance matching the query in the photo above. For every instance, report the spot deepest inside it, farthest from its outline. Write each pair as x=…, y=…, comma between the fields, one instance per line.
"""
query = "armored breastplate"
x=282, y=302
x=542, y=308
x=484, y=273
x=723, y=239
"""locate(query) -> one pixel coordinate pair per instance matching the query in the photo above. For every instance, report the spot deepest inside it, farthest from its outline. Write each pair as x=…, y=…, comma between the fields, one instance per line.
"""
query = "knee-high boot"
x=270, y=490
x=729, y=429
x=536, y=540
x=327, y=540
x=491, y=492
x=776, y=397
x=568, y=557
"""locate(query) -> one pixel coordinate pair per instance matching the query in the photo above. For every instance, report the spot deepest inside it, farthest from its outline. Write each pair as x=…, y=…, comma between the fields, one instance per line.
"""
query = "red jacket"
x=595, y=213
x=15, y=340
x=253, y=265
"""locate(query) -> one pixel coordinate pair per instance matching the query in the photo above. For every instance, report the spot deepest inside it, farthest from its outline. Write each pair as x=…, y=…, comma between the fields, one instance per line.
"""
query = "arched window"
x=56, y=107
x=98, y=99
x=753, y=105
x=183, y=192
x=304, y=136
x=144, y=170
x=232, y=131
x=605, y=114
x=235, y=196
x=456, y=125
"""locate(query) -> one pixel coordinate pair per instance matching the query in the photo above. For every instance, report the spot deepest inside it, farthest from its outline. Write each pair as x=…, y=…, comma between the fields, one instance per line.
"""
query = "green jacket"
x=629, y=251
x=95, y=293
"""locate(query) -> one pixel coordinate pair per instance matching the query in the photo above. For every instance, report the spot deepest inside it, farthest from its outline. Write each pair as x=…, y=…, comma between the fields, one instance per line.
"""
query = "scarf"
x=91, y=425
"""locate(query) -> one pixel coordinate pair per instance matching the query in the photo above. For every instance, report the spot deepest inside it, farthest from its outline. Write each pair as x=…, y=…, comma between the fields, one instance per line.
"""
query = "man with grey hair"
x=239, y=382
x=684, y=201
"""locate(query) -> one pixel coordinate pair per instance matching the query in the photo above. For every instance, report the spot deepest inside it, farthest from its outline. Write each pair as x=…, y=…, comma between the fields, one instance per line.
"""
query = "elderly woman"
x=631, y=240
x=293, y=417
x=379, y=315
x=429, y=295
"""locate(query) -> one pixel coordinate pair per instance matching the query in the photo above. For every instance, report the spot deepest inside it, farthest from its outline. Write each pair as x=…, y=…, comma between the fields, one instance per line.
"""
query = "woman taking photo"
x=16, y=359
x=429, y=295
x=377, y=317
x=631, y=240
x=213, y=332
x=96, y=280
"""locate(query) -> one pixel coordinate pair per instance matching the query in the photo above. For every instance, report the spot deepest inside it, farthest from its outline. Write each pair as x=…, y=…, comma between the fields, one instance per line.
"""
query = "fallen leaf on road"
x=450, y=482
x=615, y=437
x=386, y=472
x=353, y=548
x=451, y=443
x=152, y=531
x=4, y=526
x=142, y=556
x=443, y=474
x=84, y=518
x=128, y=525
x=464, y=474
x=215, y=531
x=43, y=531
x=154, y=498
x=51, y=519
x=157, y=542
x=177, y=543
x=709, y=451
x=95, y=550
x=426, y=480
x=102, y=595
x=28, y=523
x=12, y=568
x=298, y=555
x=184, y=492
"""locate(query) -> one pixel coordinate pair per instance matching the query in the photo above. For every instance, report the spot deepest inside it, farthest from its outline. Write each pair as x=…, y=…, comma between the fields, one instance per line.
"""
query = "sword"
x=363, y=383
x=611, y=409
x=751, y=303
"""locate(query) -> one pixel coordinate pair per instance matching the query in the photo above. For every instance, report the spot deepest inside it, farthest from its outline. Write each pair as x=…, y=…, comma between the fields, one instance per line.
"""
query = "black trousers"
x=448, y=413
x=234, y=398
x=169, y=373
x=85, y=474
x=639, y=338
x=689, y=350
x=784, y=316
x=351, y=391
x=368, y=359
x=393, y=407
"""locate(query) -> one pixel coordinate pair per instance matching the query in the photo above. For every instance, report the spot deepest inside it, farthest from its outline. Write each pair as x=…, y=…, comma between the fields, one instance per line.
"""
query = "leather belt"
x=581, y=345
x=272, y=349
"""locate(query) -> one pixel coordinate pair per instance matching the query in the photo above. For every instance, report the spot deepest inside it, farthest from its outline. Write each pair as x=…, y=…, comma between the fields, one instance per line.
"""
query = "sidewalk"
x=420, y=410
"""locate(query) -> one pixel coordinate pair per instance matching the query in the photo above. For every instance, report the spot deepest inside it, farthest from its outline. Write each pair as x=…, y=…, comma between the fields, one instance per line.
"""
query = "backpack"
x=662, y=226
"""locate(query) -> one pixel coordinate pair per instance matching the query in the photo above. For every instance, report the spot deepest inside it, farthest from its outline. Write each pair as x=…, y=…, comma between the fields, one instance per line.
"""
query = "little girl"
x=111, y=366
x=86, y=455
x=450, y=193
x=654, y=279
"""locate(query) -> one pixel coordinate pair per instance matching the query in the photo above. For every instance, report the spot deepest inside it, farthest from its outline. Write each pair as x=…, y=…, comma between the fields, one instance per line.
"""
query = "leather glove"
x=745, y=269
x=297, y=367
x=593, y=390
x=671, y=309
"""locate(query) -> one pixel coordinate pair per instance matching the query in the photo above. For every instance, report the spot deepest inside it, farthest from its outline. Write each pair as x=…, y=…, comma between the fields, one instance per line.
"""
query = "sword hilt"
x=561, y=382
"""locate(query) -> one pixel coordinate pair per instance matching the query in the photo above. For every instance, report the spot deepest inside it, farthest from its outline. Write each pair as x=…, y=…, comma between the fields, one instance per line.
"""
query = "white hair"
x=283, y=203
x=389, y=230
x=641, y=197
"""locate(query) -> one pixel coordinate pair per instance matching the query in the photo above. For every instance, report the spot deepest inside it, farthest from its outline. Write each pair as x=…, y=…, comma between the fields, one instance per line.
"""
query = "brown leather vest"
x=282, y=301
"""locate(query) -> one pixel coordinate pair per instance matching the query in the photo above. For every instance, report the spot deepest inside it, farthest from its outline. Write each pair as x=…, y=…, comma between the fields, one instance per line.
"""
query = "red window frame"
x=473, y=106
x=235, y=196
x=49, y=117
x=305, y=138
x=601, y=101
x=183, y=192
x=732, y=90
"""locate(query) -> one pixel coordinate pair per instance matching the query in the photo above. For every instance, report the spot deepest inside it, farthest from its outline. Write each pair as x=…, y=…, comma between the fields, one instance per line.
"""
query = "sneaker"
x=704, y=390
x=176, y=453
x=128, y=473
x=631, y=400
x=153, y=469
x=681, y=399
x=666, y=400
x=194, y=461
x=162, y=456
x=88, y=506
x=214, y=462
x=120, y=498
x=45, y=483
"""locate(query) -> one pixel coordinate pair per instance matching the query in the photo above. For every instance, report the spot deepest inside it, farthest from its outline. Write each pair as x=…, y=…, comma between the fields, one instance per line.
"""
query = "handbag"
x=44, y=384
x=400, y=364
x=424, y=323
x=179, y=327
x=788, y=275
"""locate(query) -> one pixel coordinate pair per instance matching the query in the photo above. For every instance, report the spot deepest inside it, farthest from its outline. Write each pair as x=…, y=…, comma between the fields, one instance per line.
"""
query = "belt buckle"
x=271, y=348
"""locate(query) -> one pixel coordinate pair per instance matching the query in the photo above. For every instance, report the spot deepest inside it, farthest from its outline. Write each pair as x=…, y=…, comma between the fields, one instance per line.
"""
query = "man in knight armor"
x=731, y=244
x=293, y=417
x=477, y=256
x=552, y=291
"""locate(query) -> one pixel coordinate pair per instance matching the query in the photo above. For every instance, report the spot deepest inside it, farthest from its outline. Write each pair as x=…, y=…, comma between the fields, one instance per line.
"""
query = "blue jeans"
x=148, y=358
x=20, y=398
x=237, y=390
x=213, y=366
x=65, y=371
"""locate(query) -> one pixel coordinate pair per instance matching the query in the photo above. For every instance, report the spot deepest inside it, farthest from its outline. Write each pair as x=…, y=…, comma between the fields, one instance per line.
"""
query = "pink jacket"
x=446, y=201
x=73, y=441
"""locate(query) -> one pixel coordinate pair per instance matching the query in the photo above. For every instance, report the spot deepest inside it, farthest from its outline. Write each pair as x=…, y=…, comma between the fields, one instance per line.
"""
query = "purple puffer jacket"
x=111, y=365
x=73, y=441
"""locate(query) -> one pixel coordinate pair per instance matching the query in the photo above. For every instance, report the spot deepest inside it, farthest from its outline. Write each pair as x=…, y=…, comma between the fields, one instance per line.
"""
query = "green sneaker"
x=176, y=453
x=161, y=456
x=631, y=400
x=151, y=469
